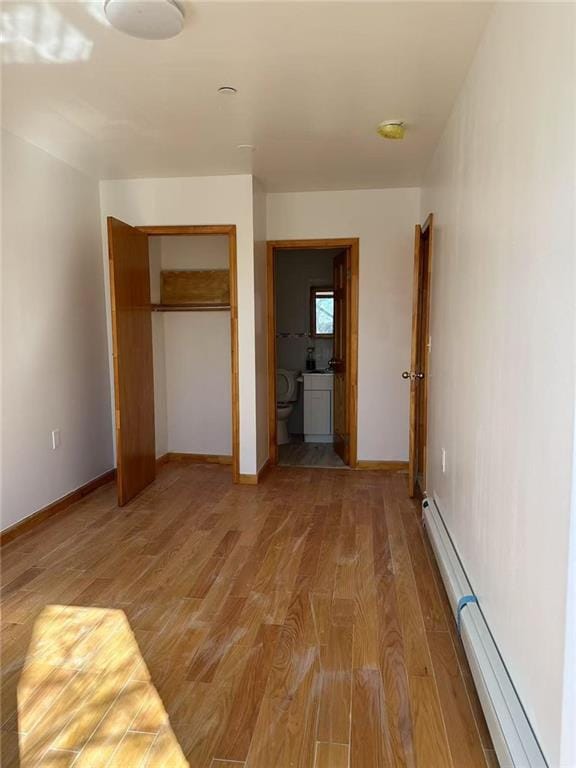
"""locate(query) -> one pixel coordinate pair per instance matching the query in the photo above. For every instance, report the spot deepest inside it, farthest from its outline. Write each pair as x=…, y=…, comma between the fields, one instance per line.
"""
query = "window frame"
x=314, y=291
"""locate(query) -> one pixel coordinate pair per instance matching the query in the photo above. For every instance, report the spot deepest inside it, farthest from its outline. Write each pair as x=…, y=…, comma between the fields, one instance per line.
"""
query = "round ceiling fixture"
x=147, y=19
x=392, y=129
x=227, y=90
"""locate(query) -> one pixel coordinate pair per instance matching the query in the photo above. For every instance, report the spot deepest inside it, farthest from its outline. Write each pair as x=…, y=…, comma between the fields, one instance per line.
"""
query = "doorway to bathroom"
x=313, y=352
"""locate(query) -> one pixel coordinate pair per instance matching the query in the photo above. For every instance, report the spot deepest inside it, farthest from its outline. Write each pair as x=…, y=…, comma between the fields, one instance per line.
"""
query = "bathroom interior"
x=304, y=351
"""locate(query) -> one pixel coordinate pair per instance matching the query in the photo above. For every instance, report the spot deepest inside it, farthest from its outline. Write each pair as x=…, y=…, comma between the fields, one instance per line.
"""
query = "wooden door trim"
x=353, y=245
x=190, y=229
x=308, y=245
x=271, y=329
x=413, y=448
x=420, y=232
x=230, y=231
x=427, y=224
x=352, y=341
x=427, y=229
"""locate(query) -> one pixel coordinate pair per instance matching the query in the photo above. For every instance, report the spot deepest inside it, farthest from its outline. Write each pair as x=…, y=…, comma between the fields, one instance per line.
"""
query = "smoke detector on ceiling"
x=392, y=129
x=147, y=19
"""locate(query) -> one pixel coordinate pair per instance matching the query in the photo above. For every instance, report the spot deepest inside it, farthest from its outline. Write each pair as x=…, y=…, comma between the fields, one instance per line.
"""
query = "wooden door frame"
x=230, y=231
x=426, y=230
x=353, y=245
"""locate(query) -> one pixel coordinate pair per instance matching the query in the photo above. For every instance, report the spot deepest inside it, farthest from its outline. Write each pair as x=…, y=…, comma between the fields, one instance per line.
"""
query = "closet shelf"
x=190, y=307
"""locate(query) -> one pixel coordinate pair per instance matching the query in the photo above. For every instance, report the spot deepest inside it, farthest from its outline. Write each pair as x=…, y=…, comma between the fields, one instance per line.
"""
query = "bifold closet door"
x=133, y=362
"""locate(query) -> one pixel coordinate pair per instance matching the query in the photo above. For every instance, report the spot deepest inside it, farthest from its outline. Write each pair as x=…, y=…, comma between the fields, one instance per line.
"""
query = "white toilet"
x=286, y=396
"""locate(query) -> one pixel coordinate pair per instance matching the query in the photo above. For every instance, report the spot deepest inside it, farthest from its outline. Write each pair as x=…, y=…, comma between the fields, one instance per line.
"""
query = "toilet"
x=286, y=396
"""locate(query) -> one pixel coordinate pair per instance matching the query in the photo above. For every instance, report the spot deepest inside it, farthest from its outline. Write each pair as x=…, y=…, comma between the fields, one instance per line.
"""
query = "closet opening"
x=175, y=337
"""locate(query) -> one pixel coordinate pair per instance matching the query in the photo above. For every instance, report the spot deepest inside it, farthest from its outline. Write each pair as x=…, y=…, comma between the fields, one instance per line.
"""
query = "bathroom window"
x=321, y=312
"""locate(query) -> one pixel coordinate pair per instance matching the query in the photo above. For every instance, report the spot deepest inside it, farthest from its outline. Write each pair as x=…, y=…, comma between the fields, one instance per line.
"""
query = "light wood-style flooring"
x=300, y=623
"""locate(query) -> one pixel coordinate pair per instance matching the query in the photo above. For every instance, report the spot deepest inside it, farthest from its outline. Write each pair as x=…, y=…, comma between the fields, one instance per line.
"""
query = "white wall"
x=193, y=252
x=203, y=200
x=192, y=359
x=198, y=382
x=384, y=221
x=502, y=376
x=260, y=323
x=54, y=358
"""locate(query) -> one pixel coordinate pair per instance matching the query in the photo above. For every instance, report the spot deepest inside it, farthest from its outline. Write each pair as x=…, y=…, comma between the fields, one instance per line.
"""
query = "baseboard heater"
x=514, y=740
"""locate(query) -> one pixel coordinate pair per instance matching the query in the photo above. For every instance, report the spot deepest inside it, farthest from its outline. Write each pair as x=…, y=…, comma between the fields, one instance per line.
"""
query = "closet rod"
x=190, y=308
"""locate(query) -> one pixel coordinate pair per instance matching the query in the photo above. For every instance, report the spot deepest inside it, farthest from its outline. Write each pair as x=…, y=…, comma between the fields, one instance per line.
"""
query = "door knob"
x=412, y=376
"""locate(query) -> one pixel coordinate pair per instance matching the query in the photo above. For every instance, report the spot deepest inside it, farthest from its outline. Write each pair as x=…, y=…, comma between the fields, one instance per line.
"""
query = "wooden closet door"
x=133, y=363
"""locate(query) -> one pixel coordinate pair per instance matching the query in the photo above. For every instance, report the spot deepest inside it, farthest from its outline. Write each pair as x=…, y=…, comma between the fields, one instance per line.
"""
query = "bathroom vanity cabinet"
x=318, y=407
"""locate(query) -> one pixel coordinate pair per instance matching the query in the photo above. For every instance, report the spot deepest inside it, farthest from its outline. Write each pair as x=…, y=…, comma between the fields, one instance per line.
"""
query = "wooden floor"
x=296, y=624
x=301, y=454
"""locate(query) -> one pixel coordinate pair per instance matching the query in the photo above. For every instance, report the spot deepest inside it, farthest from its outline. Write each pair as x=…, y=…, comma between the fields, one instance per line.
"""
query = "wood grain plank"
x=227, y=544
x=415, y=643
x=133, y=749
x=336, y=686
x=206, y=577
x=369, y=729
x=235, y=742
x=432, y=611
x=464, y=740
x=430, y=741
x=331, y=755
x=394, y=675
x=366, y=648
x=58, y=758
x=226, y=764
x=219, y=639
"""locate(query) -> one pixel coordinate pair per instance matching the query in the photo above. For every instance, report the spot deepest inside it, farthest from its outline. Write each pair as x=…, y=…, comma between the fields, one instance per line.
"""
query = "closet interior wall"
x=192, y=355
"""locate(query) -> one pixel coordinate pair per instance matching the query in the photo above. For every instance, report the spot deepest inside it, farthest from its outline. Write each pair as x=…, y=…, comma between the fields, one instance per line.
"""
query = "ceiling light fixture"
x=147, y=19
x=227, y=90
x=247, y=147
x=392, y=129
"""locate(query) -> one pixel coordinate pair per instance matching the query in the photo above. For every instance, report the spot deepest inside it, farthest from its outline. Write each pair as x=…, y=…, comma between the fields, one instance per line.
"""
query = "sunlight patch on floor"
x=85, y=696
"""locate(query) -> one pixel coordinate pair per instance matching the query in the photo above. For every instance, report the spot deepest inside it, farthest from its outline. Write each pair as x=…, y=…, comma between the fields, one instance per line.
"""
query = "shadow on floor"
x=300, y=454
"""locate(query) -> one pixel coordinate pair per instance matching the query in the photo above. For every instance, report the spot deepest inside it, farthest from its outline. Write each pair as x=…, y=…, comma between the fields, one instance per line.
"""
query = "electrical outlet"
x=55, y=439
x=443, y=461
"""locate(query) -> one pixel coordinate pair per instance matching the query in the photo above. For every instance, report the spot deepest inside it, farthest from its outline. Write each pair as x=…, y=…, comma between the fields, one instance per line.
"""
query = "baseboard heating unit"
x=514, y=740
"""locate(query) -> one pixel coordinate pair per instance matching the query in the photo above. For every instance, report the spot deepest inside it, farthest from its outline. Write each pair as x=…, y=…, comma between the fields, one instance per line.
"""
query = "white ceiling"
x=314, y=79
